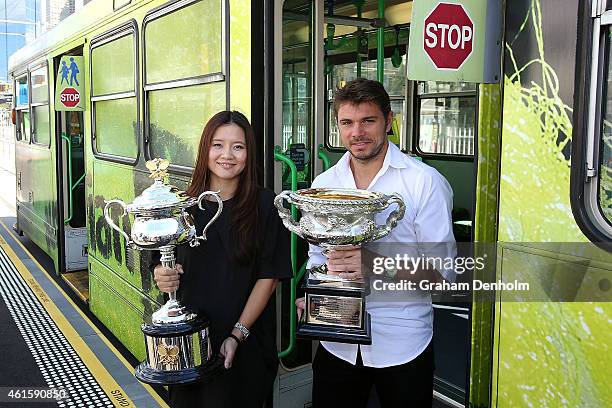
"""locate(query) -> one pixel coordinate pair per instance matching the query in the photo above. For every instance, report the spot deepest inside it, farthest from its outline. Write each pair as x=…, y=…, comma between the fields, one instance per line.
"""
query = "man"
x=399, y=363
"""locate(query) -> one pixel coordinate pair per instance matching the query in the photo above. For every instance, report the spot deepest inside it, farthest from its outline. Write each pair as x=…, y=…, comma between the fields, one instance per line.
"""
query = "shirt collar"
x=394, y=158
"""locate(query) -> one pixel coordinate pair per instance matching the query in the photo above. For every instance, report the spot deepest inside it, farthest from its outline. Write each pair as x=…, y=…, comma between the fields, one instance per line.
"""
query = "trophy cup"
x=177, y=341
x=335, y=218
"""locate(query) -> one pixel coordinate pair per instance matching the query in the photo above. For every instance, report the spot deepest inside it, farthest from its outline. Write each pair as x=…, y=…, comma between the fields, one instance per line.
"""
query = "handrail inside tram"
x=297, y=275
x=324, y=157
x=279, y=156
x=72, y=185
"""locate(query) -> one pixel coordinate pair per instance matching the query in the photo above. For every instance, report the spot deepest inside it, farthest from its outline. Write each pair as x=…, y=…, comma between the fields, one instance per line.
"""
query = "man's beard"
x=370, y=156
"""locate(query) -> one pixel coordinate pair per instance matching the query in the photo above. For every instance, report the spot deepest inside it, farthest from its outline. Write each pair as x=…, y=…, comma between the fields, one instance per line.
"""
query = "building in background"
x=54, y=11
x=21, y=21
x=18, y=24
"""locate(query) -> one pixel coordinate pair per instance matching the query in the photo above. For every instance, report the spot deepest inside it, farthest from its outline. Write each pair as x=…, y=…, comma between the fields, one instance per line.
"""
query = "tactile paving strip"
x=59, y=364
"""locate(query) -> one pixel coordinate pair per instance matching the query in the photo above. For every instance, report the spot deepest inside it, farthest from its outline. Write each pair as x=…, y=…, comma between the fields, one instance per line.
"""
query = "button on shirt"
x=401, y=330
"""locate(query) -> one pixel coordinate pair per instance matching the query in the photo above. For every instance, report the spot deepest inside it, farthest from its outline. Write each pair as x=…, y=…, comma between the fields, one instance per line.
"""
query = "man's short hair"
x=363, y=90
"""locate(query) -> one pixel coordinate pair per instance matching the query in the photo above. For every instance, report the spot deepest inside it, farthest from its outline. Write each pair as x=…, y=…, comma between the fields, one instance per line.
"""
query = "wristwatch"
x=245, y=332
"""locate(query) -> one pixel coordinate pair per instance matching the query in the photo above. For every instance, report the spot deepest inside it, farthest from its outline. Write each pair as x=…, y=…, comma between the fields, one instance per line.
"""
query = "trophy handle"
x=215, y=195
x=394, y=217
x=285, y=214
x=110, y=220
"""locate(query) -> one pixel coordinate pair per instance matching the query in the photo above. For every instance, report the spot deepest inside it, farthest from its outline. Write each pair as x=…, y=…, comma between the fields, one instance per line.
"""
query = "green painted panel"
x=41, y=125
x=175, y=133
x=487, y=177
x=116, y=181
x=116, y=129
x=41, y=233
x=41, y=185
x=119, y=306
x=550, y=354
x=485, y=228
x=240, y=56
x=532, y=160
x=185, y=43
x=553, y=354
x=107, y=245
x=113, y=66
x=537, y=129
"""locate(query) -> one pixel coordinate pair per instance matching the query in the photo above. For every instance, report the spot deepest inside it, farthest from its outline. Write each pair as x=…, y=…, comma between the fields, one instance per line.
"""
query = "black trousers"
x=337, y=383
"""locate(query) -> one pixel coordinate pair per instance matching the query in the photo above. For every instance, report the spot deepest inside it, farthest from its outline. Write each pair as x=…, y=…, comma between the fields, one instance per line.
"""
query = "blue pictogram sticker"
x=64, y=70
x=74, y=70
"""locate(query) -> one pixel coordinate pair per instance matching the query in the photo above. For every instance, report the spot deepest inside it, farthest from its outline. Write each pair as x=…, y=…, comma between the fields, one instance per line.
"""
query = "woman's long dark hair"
x=244, y=211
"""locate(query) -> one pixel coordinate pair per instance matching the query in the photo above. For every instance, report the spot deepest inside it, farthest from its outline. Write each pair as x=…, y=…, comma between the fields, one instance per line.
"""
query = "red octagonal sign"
x=70, y=97
x=448, y=36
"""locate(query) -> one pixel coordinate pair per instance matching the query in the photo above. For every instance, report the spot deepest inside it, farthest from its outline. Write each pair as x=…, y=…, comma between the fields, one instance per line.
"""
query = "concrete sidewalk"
x=7, y=193
x=7, y=170
x=7, y=148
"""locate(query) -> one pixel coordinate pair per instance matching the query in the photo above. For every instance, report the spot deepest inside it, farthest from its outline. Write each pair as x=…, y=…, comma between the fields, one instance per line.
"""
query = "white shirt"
x=400, y=330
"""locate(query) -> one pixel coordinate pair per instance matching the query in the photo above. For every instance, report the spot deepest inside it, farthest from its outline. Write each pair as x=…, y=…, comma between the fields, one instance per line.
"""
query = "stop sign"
x=448, y=36
x=70, y=97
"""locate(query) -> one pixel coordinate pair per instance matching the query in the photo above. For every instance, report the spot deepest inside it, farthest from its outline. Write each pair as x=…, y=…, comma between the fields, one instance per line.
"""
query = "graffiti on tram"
x=109, y=244
x=102, y=238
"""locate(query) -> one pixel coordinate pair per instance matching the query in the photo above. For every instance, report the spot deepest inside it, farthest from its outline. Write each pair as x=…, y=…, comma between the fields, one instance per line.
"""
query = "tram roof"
x=85, y=19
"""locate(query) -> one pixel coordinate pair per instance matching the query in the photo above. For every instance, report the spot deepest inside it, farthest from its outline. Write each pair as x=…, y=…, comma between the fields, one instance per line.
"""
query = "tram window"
x=40, y=106
x=296, y=110
x=591, y=171
x=605, y=142
x=433, y=87
x=177, y=117
x=41, y=134
x=447, y=118
x=40, y=87
x=115, y=107
x=22, y=94
x=394, y=79
x=185, y=43
x=115, y=123
x=113, y=66
x=22, y=100
x=23, y=126
x=394, y=82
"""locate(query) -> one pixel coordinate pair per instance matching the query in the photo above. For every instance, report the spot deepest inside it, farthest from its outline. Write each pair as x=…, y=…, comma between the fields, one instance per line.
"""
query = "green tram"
x=529, y=160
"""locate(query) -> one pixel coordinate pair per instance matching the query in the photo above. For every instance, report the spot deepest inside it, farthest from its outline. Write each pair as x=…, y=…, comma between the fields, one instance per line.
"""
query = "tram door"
x=293, y=137
x=313, y=63
x=69, y=138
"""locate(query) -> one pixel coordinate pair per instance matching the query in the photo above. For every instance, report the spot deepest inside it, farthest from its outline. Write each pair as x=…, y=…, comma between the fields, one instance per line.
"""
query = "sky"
x=10, y=10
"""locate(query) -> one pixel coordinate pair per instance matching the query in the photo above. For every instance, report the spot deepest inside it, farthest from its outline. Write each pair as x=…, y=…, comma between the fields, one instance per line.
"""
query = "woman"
x=231, y=278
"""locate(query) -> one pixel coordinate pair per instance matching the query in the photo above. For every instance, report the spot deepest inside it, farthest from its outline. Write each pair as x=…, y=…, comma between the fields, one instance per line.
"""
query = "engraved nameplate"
x=335, y=310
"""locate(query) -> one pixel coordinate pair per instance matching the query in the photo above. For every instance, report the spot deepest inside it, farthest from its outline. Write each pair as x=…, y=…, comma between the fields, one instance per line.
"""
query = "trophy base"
x=178, y=353
x=205, y=373
x=335, y=311
x=339, y=334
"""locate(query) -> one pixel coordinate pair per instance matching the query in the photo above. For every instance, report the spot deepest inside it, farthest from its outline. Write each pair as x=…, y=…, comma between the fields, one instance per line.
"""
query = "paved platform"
x=47, y=341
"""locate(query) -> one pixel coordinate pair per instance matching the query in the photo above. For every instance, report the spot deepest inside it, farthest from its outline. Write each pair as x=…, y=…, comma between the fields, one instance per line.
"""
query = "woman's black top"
x=217, y=285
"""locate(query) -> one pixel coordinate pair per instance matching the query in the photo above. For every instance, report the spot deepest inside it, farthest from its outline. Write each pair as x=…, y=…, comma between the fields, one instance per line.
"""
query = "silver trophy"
x=334, y=218
x=177, y=341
